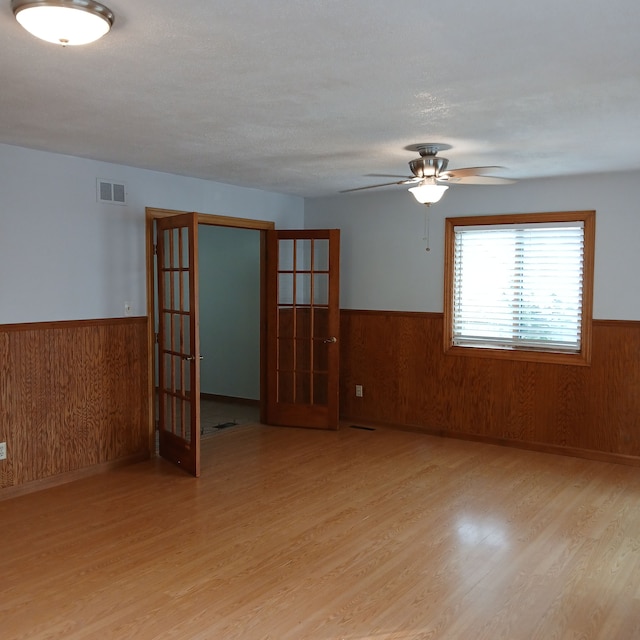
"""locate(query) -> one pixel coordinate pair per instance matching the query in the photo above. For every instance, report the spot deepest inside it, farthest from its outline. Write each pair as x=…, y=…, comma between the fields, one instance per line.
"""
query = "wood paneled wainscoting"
x=73, y=399
x=408, y=381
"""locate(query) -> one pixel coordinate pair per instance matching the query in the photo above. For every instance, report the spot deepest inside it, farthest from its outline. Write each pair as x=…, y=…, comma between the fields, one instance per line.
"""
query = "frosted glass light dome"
x=64, y=22
x=428, y=191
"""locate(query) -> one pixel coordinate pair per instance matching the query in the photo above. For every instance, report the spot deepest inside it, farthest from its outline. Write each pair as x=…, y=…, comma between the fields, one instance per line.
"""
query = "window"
x=520, y=286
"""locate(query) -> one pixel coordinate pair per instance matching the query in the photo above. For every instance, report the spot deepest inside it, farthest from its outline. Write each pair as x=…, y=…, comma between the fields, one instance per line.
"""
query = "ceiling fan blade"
x=384, y=184
x=470, y=171
x=389, y=175
x=476, y=179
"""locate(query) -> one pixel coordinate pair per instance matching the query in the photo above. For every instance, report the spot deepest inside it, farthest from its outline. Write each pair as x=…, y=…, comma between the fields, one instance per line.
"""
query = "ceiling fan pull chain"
x=425, y=237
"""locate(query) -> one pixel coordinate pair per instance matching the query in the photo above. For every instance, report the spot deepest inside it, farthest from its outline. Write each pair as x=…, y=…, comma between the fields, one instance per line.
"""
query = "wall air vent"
x=111, y=192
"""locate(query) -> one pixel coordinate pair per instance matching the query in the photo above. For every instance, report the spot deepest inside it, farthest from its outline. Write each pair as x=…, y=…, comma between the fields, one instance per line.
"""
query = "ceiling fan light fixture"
x=64, y=22
x=428, y=191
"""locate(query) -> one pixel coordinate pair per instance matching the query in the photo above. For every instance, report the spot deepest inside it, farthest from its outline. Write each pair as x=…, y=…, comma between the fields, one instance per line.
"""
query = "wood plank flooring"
x=355, y=535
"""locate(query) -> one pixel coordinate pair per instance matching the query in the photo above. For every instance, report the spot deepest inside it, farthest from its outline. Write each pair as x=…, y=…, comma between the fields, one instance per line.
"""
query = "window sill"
x=574, y=359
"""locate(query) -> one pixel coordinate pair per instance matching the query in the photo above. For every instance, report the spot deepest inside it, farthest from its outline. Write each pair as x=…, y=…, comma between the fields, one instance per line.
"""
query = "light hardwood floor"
x=355, y=535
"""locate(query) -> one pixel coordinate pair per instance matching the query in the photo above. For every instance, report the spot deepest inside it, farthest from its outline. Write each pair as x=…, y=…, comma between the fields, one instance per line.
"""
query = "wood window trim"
x=579, y=359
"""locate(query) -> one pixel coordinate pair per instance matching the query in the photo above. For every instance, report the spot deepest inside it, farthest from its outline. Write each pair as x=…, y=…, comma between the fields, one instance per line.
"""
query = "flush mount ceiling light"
x=64, y=22
x=428, y=191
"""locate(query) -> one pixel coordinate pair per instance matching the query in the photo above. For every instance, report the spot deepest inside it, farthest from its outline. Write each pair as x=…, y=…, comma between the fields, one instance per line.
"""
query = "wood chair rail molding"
x=69, y=324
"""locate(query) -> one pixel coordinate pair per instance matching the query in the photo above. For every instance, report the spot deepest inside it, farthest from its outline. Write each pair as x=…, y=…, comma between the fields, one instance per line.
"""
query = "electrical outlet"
x=3, y=450
x=358, y=391
x=127, y=308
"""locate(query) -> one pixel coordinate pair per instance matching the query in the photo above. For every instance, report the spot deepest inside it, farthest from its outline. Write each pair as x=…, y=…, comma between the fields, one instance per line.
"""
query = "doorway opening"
x=219, y=409
x=298, y=332
x=229, y=265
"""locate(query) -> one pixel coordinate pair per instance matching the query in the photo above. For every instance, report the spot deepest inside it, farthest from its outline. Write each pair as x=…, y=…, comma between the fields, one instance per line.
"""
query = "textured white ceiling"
x=308, y=97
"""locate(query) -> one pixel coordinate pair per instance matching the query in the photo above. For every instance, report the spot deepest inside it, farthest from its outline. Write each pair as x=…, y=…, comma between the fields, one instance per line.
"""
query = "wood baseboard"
x=64, y=478
x=540, y=447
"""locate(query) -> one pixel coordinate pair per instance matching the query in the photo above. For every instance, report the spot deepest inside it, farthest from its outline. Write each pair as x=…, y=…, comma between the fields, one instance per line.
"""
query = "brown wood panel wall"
x=408, y=380
x=72, y=395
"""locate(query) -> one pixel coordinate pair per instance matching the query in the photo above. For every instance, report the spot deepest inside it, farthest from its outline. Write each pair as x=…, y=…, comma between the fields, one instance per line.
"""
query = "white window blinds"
x=519, y=286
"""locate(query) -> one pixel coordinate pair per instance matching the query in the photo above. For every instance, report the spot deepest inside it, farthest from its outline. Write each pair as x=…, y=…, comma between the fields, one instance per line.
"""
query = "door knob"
x=330, y=340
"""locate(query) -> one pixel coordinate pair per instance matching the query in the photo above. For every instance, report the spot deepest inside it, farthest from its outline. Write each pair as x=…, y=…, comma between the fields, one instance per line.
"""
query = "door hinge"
x=156, y=337
x=155, y=249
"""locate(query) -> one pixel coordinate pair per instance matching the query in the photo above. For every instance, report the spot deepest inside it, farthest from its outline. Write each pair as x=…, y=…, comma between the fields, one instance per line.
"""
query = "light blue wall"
x=229, y=269
x=384, y=264
x=65, y=256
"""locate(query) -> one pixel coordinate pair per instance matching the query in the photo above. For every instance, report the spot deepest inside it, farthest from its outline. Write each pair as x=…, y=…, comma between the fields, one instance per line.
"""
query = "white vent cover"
x=111, y=192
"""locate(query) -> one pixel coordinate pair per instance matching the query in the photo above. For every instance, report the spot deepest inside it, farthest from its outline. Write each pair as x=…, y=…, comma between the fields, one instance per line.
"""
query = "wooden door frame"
x=151, y=215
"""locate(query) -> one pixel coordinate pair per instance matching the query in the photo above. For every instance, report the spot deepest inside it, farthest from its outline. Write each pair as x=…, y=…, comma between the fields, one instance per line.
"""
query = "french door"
x=300, y=333
x=303, y=324
x=178, y=341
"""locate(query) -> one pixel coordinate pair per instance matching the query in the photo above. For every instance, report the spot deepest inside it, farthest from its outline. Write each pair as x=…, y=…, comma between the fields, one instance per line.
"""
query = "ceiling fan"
x=432, y=178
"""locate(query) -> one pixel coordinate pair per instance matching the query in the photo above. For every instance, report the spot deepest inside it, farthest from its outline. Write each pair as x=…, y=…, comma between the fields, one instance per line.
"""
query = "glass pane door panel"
x=285, y=288
x=186, y=332
x=166, y=382
x=321, y=255
x=177, y=292
x=185, y=291
x=178, y=424
x=321, y=288
x=175, y=249
x=167, y=409
x=321, y=322
x=186, y=378
x=285, y=255
x=320, y=356
x=184, y=253
x=303, y=355
x=285, y=355
x=166, y=279
x=177, y=333
x=177, y=372
x=177, y=416
x=303, y=255
x=167, y=333
x=285, y=387
x=303, y=317
x=286, y=323
x=303, y=388
x=186, y=420
x=166, y=262
x=303, y=288
x=168, y=248
x=174, y=412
